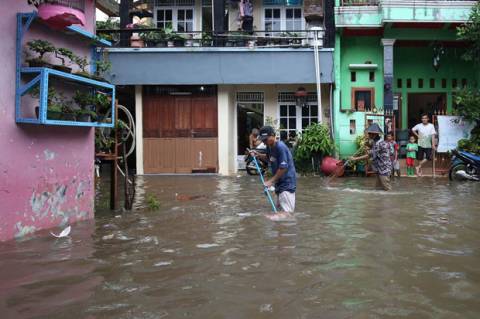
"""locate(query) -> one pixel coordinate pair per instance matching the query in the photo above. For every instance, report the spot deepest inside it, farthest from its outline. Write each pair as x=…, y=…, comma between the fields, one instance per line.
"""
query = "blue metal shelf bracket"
x=41, y=77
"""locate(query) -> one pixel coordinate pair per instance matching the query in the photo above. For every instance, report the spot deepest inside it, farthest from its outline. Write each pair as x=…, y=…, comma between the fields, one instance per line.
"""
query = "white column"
x=139, y=128
x=225, y=124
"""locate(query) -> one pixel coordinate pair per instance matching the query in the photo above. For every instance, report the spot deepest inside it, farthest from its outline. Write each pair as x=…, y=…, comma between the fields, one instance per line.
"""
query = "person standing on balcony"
x=425, y=133
x=246, y=15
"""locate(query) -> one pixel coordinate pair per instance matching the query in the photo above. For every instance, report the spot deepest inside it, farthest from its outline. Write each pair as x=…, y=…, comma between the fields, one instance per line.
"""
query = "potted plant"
x=68, y=112
x=178, y=39
x=314, y=144
x=41, y=47
x=206, y=40
x=102, y=104
x=82, y=63
x=63, y=54
x=86, y=104
x=284, y=40
x=294, y=41
x=109, y=24
x=188, y=40
x=102, y=67
x=152, y=38
x=51, y=105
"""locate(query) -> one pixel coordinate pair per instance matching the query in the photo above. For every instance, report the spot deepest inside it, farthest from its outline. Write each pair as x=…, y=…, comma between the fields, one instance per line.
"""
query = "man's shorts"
x=286, y=201
x=424, y=153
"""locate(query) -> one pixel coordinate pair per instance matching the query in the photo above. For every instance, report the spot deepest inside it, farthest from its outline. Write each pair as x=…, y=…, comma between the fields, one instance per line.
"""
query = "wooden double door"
x=180, y=134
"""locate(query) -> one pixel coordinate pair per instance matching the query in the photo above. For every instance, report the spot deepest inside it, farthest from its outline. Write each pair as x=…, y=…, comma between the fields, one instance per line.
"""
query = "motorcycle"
x=465, y=166
x=250, y=164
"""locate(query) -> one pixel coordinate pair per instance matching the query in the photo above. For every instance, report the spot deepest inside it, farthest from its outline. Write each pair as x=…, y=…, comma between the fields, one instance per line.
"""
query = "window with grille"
x=293, y=118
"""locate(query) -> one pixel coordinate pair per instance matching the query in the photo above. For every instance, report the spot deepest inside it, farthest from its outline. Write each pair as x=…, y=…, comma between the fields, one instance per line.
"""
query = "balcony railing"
x=158, y=38
x=74, y=4
x=347, y=3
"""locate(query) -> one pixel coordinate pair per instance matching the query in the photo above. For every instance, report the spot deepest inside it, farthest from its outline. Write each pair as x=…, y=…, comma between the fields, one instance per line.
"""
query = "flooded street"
x=351, y=252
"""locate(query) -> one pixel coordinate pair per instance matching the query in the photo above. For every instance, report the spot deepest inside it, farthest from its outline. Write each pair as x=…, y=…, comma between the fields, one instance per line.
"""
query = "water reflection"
x=351, y=252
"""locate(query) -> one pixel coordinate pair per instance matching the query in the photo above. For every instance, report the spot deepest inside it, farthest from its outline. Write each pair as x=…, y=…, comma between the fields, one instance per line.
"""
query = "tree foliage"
x=470, y=32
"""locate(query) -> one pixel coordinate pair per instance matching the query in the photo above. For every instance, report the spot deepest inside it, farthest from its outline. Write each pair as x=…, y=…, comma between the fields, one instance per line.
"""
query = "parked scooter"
x=250, y=164
x=465, y=166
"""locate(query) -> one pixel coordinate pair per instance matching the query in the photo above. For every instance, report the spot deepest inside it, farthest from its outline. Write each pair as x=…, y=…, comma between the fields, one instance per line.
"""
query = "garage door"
x=180, y=134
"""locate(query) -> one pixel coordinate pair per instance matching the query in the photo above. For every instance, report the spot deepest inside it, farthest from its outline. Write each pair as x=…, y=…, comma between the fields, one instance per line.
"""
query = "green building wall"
x=354, y=50
x=409, y=63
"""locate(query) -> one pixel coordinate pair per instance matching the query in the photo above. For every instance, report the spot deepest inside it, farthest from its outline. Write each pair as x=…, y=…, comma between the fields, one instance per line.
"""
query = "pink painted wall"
x=46, y=172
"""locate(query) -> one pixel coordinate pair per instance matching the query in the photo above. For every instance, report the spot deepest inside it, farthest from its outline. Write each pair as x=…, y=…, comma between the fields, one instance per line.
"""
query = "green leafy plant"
x=467, y=100
x=102, y=102
x=468, y=104
x=103, y=144
x=470, y=32
x=206, y=39
x=152, y=202
x=82, y=63
x=315, y=141
x=109, y=24
x=41, y=47
x=102, y=66
x=86, y=103
x=361, y=141
x=63, y=54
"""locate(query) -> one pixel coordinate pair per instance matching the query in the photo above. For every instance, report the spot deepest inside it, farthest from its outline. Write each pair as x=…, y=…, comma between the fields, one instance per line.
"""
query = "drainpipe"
x=316, y=30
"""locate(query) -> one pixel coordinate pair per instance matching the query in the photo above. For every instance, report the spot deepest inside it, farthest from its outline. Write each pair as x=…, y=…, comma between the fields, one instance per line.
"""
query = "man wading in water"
x=380, y=154
x=283, y=170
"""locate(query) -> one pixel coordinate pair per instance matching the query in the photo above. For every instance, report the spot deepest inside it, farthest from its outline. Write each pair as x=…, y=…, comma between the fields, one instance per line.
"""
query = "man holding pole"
x=283, y=169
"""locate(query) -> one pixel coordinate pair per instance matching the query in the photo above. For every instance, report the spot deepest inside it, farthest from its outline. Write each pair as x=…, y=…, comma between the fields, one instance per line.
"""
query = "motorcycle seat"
x=471, y=156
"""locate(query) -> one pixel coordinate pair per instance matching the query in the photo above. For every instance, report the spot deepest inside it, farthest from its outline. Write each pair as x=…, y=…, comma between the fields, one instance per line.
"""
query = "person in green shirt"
x=412, y=148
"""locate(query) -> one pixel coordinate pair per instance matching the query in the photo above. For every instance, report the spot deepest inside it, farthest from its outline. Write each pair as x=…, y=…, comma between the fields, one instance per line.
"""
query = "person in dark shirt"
x=283, y=169
x=380, y=155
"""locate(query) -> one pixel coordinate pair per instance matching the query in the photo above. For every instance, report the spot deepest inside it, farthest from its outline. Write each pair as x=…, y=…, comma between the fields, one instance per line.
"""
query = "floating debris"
x=64, y=233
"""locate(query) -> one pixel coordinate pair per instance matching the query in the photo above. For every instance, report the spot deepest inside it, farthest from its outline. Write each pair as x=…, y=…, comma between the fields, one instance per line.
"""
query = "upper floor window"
x=176, y=13
x=283, y=19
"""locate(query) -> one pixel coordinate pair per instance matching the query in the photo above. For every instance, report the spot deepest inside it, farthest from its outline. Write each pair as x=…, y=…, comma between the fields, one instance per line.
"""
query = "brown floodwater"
x=351, y=252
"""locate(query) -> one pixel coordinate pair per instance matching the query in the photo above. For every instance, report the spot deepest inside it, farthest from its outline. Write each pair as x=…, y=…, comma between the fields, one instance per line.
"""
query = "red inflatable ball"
x=331, y=165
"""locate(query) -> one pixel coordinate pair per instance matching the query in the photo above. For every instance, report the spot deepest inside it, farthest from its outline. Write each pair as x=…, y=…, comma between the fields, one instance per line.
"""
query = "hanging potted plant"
x=63, y=54
x=41, y=47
